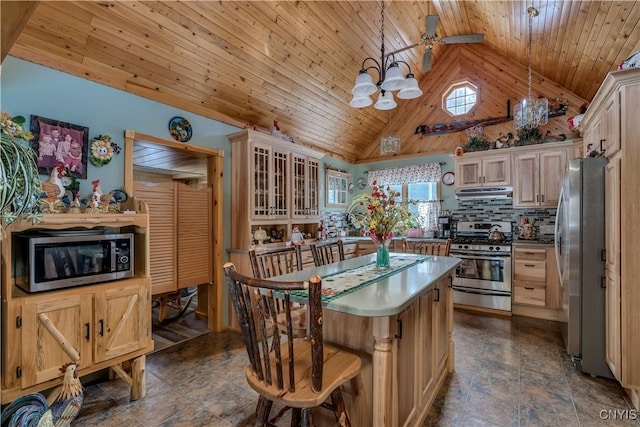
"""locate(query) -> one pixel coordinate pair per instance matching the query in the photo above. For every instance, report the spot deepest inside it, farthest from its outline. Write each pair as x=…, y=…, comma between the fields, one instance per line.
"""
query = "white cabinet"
x=537, y=177
x=475, y=170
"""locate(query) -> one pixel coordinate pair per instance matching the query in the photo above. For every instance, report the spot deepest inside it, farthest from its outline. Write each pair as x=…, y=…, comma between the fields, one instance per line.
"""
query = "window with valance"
x=418, y=183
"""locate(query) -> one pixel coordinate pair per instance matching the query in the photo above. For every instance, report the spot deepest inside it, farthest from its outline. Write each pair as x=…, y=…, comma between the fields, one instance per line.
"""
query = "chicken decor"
x=59, y=410
x=54, y=191
x=99, y=201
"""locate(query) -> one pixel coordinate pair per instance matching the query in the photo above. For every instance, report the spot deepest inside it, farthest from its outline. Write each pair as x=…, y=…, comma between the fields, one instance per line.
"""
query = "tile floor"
x=509, y=372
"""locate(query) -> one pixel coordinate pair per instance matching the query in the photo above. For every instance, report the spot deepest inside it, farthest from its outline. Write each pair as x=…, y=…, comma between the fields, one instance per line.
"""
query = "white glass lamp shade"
x=411, y=89
x=531, y=113
x=385, y=101
x=393, y=80
x=361, y=101
x=364, y=85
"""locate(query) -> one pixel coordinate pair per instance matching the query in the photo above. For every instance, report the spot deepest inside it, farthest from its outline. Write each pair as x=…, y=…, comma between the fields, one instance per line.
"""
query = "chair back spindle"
x=327, y=253
x=427, y=248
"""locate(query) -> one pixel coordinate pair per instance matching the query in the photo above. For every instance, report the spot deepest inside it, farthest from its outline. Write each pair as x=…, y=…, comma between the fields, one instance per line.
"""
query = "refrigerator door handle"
x=557, y=233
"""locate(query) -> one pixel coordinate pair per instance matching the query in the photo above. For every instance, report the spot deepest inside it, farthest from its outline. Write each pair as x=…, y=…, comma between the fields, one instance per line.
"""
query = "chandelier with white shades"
x=390, y=79
x=530, y=112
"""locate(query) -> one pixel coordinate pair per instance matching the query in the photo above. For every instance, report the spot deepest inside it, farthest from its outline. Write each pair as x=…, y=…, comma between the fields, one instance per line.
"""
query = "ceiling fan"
x=430, y=38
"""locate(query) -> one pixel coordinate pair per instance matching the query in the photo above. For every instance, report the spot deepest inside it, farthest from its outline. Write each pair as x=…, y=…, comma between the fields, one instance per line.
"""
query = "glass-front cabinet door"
x=270, y=181
x=305, y=176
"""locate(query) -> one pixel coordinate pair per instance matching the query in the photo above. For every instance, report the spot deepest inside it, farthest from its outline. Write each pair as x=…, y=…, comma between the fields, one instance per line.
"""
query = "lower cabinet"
x=535, y=281
x=422, y=352
x=91, y=326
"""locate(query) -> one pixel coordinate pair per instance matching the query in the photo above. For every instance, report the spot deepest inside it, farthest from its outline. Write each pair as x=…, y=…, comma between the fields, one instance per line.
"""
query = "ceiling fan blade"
x=426, y=60
x=431, y=23
x=464, y=38
x=402, y=49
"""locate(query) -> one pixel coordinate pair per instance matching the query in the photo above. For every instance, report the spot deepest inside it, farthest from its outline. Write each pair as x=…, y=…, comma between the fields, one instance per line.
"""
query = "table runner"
x=344, y=282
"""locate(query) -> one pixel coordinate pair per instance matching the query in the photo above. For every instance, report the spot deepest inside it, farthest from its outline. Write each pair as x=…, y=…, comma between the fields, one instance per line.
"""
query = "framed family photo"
x=59, y=142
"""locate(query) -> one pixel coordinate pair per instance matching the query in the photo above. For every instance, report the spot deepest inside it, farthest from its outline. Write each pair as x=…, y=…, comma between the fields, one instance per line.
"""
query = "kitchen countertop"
x=544, y=241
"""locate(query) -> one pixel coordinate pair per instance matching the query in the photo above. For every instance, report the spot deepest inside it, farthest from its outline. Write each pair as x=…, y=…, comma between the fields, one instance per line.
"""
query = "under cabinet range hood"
x=484, y=193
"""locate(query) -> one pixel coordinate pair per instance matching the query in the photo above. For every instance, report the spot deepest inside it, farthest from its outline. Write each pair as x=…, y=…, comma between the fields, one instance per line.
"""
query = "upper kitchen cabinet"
x=481, y=170
x=602, y=132
x=537, y=175
x=274, y=182
x=612, y=118
x=268, y=183
x=305, y=200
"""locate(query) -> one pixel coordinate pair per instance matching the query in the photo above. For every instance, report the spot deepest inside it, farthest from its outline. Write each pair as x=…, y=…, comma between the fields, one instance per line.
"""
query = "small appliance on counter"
x=446, y=227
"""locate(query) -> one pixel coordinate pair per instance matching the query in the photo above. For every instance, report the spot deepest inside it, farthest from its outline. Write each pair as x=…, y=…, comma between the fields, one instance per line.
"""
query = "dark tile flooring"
x=509, y=372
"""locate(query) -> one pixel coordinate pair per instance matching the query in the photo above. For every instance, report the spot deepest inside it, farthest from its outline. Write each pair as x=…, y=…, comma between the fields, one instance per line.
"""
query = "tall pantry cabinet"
x=611, y=124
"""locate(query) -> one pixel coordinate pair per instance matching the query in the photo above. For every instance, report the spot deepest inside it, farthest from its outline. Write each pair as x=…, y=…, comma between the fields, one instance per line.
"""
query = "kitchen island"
x=401, y=325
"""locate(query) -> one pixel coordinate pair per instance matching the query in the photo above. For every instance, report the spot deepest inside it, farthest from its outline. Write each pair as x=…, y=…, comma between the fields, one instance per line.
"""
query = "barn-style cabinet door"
x=121, y=321
x=55, y=331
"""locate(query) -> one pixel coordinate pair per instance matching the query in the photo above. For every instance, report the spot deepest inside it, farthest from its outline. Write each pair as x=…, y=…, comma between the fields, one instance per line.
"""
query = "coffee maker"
x=446, y=227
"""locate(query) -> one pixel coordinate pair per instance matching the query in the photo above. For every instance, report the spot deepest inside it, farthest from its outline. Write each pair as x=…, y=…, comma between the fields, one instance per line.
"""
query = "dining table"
x=400, y=322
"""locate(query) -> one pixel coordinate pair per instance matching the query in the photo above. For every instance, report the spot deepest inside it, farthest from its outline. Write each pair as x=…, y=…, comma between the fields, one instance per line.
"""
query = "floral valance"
x=428, y=172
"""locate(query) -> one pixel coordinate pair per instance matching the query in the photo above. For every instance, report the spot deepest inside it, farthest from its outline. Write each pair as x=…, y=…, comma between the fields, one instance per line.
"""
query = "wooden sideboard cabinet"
x=612, y=118
x=97, y=326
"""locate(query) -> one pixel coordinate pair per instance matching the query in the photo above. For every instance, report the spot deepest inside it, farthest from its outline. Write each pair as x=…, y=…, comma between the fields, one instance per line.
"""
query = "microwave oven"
x=50, y=260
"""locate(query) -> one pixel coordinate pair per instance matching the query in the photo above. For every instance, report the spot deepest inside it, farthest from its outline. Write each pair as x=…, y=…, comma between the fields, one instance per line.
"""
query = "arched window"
x=460, y=98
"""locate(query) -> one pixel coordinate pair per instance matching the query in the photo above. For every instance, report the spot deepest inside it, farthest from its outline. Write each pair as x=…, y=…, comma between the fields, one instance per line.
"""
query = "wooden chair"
x=327, y=253
x=426, y=248
x=274, y=262
x=300, y=374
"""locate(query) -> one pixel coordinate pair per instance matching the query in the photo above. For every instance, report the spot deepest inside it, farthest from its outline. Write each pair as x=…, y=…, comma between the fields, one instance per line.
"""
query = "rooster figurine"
x=99, y=200
x=59, y=410
x=54, y=191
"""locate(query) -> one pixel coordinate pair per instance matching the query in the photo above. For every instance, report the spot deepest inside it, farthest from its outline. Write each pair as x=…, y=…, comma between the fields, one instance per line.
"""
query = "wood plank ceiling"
x=243, y=62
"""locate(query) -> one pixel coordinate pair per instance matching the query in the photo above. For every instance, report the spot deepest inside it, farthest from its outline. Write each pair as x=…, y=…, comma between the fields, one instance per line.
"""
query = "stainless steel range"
x=483, y=279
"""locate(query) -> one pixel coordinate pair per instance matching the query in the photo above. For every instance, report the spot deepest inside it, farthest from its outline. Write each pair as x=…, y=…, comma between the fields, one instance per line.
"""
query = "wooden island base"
x=403, y=367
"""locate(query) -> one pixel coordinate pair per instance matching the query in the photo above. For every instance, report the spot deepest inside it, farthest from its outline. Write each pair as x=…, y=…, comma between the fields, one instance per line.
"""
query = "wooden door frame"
x=211, y=305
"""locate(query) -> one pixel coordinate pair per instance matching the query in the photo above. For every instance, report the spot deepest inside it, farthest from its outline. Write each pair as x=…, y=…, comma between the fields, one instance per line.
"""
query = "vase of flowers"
x=383, y=217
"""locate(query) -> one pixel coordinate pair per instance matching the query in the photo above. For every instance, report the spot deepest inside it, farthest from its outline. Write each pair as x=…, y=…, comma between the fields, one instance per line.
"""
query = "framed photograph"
x=59, y=142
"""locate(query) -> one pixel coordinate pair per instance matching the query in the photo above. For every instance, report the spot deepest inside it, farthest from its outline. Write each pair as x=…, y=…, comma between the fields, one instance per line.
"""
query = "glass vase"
x=382, y=258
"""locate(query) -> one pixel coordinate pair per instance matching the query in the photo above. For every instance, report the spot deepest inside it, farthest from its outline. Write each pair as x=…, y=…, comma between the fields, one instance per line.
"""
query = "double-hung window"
x=418, y=183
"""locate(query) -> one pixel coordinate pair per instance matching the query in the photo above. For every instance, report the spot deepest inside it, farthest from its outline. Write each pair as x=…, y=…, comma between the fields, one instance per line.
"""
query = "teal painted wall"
x=29, y=89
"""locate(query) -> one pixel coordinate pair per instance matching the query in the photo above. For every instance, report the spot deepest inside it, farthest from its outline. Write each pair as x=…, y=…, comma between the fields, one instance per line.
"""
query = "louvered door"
x=194, y=236
x=161, y=199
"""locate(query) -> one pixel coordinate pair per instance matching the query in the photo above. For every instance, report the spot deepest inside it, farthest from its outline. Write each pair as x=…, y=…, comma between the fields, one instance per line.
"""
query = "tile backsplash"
x=503, y=210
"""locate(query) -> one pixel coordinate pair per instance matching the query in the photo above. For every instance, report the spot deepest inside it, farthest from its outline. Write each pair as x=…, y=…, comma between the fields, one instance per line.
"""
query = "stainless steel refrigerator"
x=579, y=241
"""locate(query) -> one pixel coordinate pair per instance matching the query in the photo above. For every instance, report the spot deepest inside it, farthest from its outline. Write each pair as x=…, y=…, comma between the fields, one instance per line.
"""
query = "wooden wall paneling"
x=15, y=15
x=161, y=199
x=295, y=62
x=193, y=249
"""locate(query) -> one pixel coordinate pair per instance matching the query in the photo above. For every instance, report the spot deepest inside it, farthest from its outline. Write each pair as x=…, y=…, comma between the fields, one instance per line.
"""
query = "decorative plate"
x=180, y=129
x=350, y=187
x=448, y=178
x=361, y=183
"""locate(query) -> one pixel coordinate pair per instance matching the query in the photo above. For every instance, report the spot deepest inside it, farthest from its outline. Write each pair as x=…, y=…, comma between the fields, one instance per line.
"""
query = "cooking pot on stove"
x=495, y=234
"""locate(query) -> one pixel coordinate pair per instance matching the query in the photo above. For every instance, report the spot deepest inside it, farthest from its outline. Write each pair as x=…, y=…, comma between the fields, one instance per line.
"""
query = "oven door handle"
x=489, y=258
x=481, y=292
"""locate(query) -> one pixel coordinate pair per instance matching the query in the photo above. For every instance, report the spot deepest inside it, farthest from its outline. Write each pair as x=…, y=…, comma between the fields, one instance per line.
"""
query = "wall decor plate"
x=180, y=129
x=361, y=183
x=448, y=178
